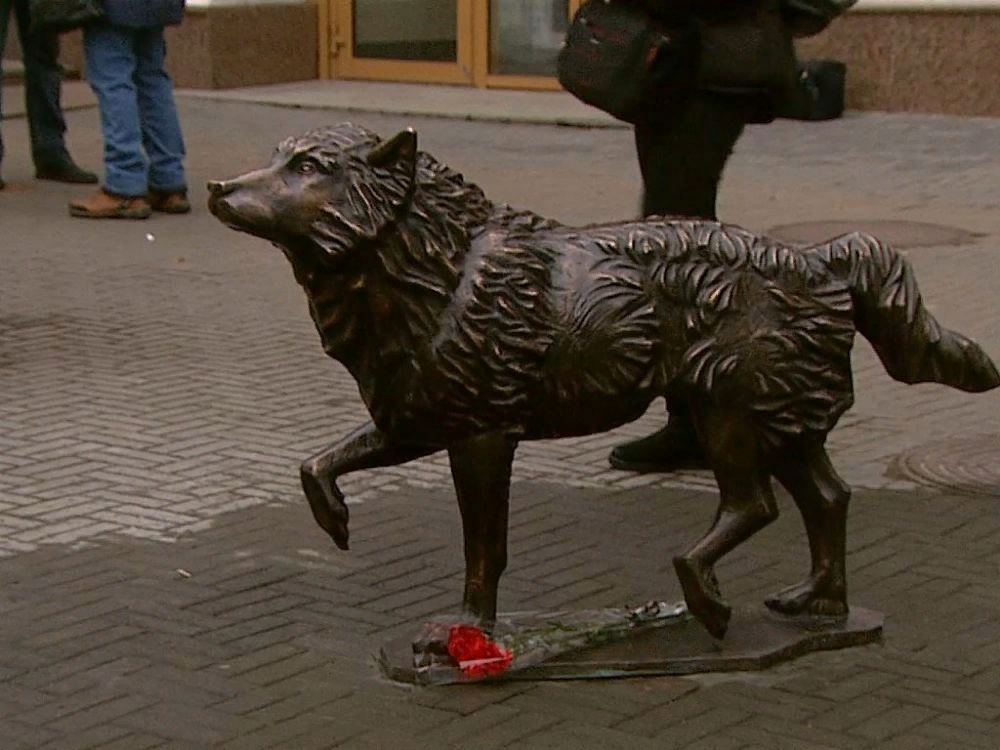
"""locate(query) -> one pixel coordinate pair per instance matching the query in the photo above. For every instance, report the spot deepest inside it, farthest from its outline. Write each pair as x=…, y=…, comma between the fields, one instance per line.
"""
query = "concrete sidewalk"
x=457, y=102
x=162, y=584
x=423, y=100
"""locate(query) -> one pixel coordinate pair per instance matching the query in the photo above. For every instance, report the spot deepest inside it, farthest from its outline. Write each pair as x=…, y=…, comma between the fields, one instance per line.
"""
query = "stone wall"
x=227, y=46
x=940, y=61
x=71, y=48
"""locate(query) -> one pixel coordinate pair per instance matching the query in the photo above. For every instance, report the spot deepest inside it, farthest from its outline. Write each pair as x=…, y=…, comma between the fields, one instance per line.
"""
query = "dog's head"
x=327, y=190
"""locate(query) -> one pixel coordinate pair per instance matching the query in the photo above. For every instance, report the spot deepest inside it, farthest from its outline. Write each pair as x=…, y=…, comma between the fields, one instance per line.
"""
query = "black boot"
x=64, y=170
x=673, y=448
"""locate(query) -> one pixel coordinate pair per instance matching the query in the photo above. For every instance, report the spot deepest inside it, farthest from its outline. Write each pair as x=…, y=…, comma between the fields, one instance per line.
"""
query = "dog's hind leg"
x=822, y=498
x=365, y=448
x=481, y=468
x=746, y=505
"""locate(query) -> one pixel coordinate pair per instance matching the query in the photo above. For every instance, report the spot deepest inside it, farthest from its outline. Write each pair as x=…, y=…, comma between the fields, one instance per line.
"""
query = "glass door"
x=405, y=40
x=518, y=42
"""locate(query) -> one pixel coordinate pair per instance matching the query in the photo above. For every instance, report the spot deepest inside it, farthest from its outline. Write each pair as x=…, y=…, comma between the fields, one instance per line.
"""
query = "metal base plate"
x=757, y=639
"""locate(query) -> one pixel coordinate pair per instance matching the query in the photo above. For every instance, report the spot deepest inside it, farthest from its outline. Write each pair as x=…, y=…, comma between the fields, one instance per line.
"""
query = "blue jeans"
x=143, y=145
x=42, y=86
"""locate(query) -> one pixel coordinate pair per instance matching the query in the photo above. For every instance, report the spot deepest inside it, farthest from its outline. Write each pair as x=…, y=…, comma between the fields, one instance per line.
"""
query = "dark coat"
x=142, y=14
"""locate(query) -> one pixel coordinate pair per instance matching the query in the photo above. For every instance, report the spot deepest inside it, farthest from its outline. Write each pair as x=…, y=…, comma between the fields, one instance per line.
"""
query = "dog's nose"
x=218, y=187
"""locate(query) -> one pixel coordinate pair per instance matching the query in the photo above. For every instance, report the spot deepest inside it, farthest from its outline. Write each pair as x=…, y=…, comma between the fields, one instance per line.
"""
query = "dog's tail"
x=888, y=311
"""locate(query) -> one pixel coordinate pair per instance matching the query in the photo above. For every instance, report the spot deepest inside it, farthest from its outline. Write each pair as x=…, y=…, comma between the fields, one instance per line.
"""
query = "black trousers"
x=683, y=148
x=42, y=85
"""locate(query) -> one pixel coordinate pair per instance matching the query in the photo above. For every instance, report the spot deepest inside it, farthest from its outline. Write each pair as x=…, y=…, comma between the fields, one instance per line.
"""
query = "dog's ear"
x=400, y=152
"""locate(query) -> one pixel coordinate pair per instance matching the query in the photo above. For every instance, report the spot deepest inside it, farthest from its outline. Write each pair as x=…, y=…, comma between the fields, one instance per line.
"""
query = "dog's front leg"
x=481, y=470
x=365, y=448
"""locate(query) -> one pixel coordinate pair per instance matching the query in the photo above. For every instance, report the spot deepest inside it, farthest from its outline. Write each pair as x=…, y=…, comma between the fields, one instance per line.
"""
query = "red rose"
x=475, y=654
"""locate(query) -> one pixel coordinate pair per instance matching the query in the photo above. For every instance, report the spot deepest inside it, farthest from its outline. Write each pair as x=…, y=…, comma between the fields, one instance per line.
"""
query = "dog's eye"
x=307, y=166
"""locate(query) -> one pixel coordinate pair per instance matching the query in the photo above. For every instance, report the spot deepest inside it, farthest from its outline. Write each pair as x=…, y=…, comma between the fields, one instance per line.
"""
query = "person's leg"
x=42, y=90
x=161, y=129
x=5, y=8
x=682, y=155
x=111, y=64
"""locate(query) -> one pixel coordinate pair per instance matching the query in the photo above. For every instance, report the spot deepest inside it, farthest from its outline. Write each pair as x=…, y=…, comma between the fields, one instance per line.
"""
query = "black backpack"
x=618, y=58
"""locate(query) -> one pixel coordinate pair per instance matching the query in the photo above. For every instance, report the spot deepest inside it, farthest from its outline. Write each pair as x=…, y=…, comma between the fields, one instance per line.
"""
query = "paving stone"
x=893, y=721
x=197, y=725
x=852, y=712
x=718, y=742
x=512, y=732
x=467, y=728
x=290, y=633
x=44, y=677
x=912, y=742
x=782, y=707
x=770, y=733
x=21, y=736
x=974, y=731
x=572, y=734
x=100, y=715
x=277, y=735
x=105, y=674
x=284, y=669
x=967, y=703
x=680, y=734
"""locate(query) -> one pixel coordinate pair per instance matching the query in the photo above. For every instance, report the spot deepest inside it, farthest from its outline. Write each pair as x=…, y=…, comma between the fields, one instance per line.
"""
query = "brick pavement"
x=163, y=585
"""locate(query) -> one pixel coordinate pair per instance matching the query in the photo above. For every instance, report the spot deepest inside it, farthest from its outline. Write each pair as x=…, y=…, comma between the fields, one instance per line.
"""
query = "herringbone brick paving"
x=164, y=587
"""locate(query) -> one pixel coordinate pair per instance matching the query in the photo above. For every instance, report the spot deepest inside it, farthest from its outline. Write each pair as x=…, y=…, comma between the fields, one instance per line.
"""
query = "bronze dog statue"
x=470, y=326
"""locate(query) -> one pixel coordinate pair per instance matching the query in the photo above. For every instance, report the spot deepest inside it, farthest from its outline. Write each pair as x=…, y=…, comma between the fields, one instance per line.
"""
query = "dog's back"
x=698, y=309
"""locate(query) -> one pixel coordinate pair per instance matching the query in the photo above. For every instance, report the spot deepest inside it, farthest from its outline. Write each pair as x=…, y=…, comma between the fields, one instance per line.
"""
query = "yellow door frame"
x=341, y=35
x=326, y=23
x=336, y=59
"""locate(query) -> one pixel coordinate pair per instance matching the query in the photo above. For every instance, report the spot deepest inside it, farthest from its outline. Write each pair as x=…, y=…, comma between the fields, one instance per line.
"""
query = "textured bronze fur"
x=470, y=326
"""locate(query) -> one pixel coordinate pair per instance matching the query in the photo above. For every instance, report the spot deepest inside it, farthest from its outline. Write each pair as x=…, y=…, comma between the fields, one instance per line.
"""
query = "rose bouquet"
x=521, y=640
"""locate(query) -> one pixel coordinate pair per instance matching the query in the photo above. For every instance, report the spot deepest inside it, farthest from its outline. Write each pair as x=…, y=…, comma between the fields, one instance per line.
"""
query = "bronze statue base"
x=757, y=639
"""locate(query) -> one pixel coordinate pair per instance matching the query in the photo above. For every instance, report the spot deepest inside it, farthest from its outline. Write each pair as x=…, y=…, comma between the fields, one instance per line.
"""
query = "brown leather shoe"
x=170, y=203
x=104, y=205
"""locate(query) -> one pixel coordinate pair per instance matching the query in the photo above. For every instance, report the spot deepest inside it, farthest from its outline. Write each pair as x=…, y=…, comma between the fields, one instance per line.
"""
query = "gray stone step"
x=13, y=72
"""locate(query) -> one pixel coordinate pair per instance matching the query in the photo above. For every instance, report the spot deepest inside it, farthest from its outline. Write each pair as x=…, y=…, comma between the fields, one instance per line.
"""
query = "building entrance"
x=502, y=43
